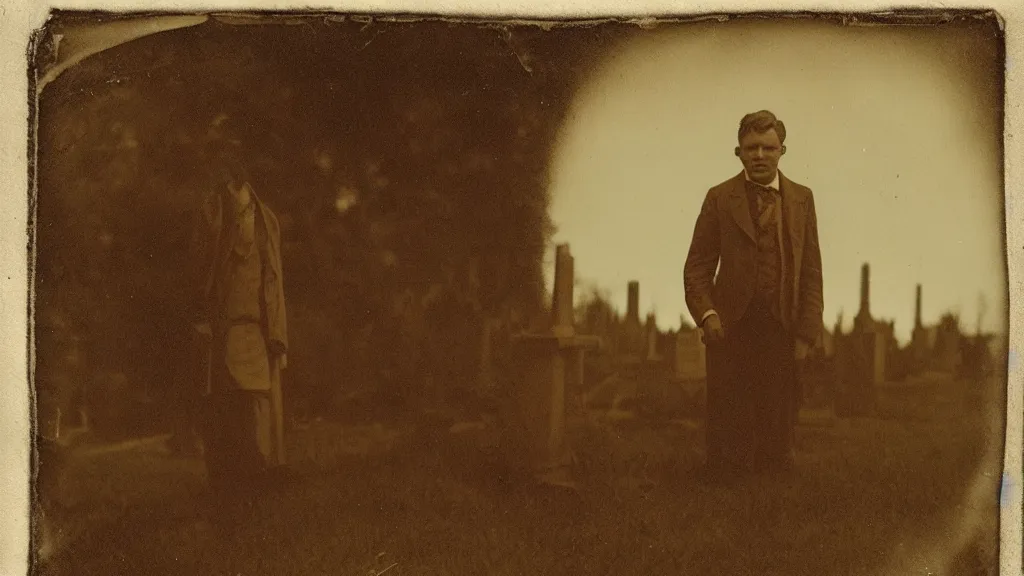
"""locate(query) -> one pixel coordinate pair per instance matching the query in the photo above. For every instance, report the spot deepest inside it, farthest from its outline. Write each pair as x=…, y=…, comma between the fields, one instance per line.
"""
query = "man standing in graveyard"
x=240, y=314
x=762, y=311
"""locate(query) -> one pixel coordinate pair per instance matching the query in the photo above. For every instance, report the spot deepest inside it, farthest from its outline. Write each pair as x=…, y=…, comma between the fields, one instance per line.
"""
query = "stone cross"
x=551, y=373
x=561, y=306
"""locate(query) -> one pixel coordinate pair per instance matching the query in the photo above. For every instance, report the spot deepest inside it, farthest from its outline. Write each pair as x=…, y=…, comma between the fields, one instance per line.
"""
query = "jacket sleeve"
x=702, y=259
x=811, y=290
x=277, y=317
x=201, y=253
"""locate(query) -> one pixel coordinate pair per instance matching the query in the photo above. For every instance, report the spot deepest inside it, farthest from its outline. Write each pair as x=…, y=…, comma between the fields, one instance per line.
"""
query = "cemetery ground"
x=887, y=493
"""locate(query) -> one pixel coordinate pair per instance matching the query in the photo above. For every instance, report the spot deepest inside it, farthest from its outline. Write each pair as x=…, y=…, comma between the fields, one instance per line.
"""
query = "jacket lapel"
x=794, y=207
x=739, y=207
x=267, y=244
x=228, y=231
x=208, y=242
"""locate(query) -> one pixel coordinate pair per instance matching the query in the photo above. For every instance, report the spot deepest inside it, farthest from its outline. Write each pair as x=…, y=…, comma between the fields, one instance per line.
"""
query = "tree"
x=413, y=203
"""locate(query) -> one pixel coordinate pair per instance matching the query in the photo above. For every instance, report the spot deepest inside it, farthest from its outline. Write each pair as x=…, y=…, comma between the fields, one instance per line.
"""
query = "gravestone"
x=690, y=355
x=690, y=367
x=946, y=354
x=855, y=371
x=633, y=302
x=652, y=339
x=883, y=351
x=632, y=340
x=863, y=322
x=550, y=382
x=860, y=358
x=817, y=375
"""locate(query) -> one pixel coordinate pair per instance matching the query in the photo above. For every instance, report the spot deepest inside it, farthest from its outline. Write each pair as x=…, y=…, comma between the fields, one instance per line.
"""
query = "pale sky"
x=897, y=132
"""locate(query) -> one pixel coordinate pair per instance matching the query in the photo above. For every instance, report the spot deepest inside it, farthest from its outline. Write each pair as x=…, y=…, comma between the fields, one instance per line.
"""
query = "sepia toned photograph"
x=329, y=293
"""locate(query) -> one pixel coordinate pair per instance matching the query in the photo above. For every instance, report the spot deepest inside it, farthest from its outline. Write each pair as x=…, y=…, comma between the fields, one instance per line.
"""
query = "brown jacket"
x=724, y=239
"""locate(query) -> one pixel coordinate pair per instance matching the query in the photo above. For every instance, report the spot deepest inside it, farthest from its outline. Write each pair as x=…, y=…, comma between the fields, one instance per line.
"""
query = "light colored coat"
x=210, y=248
x=209, y=251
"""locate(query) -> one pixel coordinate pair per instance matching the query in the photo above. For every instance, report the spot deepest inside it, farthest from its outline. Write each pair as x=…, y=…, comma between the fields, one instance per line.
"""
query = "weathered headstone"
x=633, y=302
x=946, y=350
x=863, y=321
x=690, y=368
x=652, y=339
x=562, y=306
x=632, y=341
x=883, y=349
x=551, y=374
x=860, y=358
x=854, y=358
x=690, y=355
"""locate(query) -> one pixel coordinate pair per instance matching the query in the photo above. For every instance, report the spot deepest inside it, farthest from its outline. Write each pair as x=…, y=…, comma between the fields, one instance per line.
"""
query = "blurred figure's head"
x=761, y=138
x=224, y=155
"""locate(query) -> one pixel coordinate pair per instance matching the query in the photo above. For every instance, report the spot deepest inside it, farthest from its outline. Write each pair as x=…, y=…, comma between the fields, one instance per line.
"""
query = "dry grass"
x=370, y=500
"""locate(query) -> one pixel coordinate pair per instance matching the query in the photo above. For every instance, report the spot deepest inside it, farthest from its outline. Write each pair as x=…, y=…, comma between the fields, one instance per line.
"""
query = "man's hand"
x=800, y=350
x=276, y=348
x=713, y=332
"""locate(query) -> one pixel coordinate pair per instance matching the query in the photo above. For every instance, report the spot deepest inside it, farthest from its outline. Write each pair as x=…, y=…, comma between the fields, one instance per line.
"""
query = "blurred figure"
x=753, y=283
x=240, y=316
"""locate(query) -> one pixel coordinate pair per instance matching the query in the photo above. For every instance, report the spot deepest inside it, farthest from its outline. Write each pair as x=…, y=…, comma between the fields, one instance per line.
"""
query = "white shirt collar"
x=774, y=184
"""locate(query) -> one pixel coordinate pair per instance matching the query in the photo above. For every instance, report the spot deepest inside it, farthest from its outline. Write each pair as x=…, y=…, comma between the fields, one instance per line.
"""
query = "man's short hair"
x=222, y=136
x=762, y=122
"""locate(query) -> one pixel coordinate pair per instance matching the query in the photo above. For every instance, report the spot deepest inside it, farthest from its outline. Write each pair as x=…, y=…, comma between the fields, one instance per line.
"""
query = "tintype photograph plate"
x=331, y=292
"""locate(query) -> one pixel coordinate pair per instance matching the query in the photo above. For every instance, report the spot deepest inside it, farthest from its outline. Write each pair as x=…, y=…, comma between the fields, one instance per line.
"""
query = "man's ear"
x=783, y=150
x=737, y=151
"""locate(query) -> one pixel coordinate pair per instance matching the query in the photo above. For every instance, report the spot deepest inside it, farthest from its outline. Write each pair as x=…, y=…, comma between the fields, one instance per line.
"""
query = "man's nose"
x=759, y=152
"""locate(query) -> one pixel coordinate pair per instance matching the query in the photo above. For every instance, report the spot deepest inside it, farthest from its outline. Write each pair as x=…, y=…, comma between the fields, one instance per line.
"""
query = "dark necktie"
x=766, y=201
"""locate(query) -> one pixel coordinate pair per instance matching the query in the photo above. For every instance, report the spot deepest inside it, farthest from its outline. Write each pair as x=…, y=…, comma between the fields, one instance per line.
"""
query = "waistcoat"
x=769, y=252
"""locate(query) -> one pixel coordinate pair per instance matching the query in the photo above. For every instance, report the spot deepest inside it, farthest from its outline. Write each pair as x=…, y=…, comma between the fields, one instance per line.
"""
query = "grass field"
x=908, y=491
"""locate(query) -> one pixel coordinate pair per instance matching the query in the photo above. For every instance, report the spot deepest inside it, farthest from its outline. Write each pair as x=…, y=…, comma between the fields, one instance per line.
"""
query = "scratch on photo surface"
x=1005, y=491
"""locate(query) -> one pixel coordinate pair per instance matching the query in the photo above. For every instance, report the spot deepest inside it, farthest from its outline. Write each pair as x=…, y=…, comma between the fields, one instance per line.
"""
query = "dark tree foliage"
x=408, y=163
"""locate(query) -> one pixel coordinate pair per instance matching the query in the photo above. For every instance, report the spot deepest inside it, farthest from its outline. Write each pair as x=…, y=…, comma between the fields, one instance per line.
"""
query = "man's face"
x=760, y=154
x=220, y=172
x=223, y=168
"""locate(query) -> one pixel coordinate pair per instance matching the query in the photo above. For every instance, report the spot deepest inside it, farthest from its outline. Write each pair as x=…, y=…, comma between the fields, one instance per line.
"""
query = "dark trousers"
x=751, y=394
x=188, y=398
x=236, y=430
